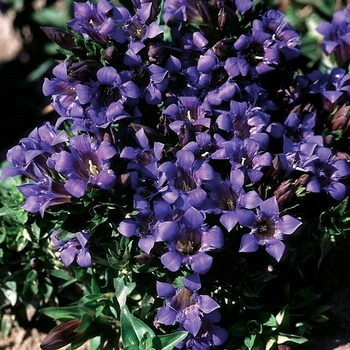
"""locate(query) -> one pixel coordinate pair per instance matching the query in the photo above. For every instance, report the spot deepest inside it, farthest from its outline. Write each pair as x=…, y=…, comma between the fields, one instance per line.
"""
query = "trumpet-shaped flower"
x=184, y=305
x=190, y=239
x=267, y=228
x=76, y=249
x=86, y=163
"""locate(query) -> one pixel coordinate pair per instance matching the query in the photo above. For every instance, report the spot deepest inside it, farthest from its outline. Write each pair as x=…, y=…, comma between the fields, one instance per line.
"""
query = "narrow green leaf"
x=168, y=341
x=67, y=312
x=282, y=338
x=61, y=274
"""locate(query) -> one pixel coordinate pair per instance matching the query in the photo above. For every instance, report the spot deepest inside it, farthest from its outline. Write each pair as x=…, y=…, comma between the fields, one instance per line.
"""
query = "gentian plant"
x=196, y=170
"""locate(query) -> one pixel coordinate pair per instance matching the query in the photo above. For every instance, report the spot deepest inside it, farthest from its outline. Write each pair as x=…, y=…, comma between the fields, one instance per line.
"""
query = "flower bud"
x=342, y=155
x=111, y=54
x=208, y=12
x=341, y=120
x=62, y=335
x=286, y=191
x=227, y=20
x=223, y=49
x=276, y=171
x=36, y=264
x=60, y=37
x=83, y=71
x=156, y=53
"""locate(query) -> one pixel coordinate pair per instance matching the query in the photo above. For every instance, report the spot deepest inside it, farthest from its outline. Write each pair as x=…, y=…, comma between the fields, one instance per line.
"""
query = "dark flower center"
x=189, y=243
x=184, y=182
x=106, y=94
x=254, y=54
x=227, y=199
x=265, y=228
x=183, y=299
x=136, y=29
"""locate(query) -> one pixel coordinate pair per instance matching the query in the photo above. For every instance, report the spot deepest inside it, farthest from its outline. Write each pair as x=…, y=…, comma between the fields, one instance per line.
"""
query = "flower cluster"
x=202, y=138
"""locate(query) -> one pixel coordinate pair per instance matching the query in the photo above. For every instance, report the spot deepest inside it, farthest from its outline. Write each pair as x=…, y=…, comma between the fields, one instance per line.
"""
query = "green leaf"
x=9, y=289
x=239, y=329
x=122, y=290
x=282, y=338
x=6, y=325
x=168, y=341
x=67, y=312
x=325, y=245
x=61, y=274
x=271, y=322
x=64, y=235
x=249, y=340
x=133, y=330
x=280, y=316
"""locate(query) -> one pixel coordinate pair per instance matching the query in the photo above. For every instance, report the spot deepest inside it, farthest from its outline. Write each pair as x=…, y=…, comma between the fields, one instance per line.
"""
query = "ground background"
x=18, y=57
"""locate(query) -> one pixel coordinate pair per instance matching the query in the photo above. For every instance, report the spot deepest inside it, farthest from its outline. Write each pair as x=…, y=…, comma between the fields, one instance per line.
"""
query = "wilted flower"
x=267, y=228
x=341, y=120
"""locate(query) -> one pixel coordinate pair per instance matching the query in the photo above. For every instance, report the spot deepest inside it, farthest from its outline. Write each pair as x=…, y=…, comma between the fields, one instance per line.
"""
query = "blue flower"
x=94, y=21
x=86, y=163
x=336, y=36
x=104, y=101
x=76, y=249
x=267, y=228
x=184, y=305
x=45, y=192
x=190, y=239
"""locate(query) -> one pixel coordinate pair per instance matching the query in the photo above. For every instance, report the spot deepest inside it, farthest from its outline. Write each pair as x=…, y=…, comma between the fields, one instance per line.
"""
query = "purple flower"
x=283, y=34
x=267, y=228
x=143, y=158
x=337, y=36
x=189, y=239
x=104, y=99
x=32, y=156
x=76, y=249
x=227, y=195
x=141, y=225
x=62, y=89
x=158, y=82
x=184, y=305
x=210, y=335
x=334, y=87
x=94, y=21
x=180, y=11
x=328, y=173
x=244, y=155
x=42, y=194
x=184, y=177
x=86, y=163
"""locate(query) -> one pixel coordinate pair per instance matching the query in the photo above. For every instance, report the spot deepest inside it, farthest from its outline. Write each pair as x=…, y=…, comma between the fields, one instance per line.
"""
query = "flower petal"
x=276, y=249
x=248, y=244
